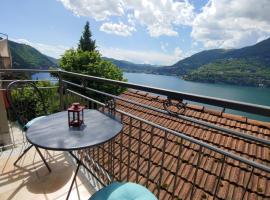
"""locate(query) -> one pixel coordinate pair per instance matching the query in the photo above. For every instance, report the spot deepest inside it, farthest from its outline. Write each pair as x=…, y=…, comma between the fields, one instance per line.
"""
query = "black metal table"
x=53, y=133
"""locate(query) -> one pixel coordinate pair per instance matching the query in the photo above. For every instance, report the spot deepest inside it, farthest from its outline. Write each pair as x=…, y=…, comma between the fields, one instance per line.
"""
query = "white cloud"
x=131, y=19
x=117, y=29
x=147, y=57
x=178, y=52
x=158, y=16
x=98, y=9
x=50, y=50
x=232, y=23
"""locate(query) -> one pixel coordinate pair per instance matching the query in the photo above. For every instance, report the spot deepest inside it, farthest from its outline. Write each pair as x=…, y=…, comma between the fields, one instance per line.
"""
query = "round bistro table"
x=53, y=133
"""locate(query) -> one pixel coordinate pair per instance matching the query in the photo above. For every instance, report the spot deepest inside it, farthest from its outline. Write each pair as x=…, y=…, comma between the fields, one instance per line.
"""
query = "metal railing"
x=16, y=134
x=222, y=158
x=172, y=164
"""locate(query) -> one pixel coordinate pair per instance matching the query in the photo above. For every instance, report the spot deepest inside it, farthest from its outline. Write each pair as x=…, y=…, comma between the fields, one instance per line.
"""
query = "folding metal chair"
x=28, y=106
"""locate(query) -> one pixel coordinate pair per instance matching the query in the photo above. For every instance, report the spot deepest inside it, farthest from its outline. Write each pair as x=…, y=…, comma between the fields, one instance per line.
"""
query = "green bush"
x=32, y=103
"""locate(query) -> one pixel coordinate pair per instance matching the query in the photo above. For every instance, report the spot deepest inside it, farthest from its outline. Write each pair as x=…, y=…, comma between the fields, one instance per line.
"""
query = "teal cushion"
x=123, y=191
x=26, y=126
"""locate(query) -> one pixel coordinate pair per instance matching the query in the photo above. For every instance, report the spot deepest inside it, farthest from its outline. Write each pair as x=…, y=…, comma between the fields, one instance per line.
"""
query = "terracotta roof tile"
x=213, y=112
x=234, y=117
x=234, y=175
x=195, y=107
x=259, y=123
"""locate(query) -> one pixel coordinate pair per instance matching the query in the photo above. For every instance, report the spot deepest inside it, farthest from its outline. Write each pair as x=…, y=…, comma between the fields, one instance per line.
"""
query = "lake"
x=232, y=92
x=42, y=76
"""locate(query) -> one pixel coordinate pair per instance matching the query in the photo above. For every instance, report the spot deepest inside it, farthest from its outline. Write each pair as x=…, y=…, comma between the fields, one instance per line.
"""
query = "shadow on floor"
x=46, y=182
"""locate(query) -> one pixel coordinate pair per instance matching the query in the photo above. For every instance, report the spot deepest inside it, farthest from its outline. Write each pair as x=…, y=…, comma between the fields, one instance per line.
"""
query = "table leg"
x=74, y=179
x=40, y=154
x=81, y=163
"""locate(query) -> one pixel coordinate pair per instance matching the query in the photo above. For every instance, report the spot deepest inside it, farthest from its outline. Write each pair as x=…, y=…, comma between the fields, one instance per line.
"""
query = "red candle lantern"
x=75, y=115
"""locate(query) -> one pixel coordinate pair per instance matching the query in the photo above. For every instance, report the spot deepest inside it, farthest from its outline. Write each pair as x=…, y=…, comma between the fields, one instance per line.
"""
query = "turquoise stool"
x=123, y=191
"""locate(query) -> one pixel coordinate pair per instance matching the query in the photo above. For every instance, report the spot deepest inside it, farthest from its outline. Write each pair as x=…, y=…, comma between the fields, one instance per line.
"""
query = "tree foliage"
x=86, y=43
x=87, y=60
x=91, y=63
x=50, y=98
x=247, y=72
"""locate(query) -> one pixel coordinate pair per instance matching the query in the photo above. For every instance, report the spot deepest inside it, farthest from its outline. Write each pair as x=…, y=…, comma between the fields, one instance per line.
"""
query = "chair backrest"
x=25, y=100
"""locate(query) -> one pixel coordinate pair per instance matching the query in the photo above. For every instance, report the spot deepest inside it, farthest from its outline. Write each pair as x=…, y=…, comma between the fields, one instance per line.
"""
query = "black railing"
x=131, y=156
x=223, y=103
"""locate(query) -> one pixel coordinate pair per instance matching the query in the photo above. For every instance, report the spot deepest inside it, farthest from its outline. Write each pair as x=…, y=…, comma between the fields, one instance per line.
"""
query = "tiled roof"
x=133, y=148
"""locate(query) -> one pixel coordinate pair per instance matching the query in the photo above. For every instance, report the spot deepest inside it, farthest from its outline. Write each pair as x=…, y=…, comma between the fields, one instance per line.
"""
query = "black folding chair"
x=27, y=104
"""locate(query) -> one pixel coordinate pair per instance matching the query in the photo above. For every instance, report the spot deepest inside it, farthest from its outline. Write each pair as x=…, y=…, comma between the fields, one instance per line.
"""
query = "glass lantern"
x=75, y=115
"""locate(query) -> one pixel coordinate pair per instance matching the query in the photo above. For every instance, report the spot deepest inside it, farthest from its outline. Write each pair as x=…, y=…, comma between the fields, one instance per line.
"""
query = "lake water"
x=42, y=76
x=239, y=93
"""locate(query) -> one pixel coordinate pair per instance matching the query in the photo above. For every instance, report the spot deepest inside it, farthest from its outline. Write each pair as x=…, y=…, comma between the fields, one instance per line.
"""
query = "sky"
x=159, y=32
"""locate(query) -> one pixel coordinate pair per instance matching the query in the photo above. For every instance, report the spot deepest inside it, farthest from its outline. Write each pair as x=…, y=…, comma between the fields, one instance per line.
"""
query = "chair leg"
x=40, y=154
x=24, y=152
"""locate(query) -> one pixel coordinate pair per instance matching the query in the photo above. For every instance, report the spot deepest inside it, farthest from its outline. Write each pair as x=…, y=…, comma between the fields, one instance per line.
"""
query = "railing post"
x=61, y=90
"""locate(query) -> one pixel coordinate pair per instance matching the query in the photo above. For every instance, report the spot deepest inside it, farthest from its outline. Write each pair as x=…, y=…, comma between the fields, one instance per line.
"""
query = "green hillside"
x=186, y=65
x=259, y=52
x=127, y=66
x=25, y=56
x=248, y=72
x=246, y=66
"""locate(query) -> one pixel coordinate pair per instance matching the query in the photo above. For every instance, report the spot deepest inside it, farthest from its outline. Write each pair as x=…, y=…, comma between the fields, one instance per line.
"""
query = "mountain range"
x=259, y=52
x=132, y=67
x=245, y=66
x=25, y=56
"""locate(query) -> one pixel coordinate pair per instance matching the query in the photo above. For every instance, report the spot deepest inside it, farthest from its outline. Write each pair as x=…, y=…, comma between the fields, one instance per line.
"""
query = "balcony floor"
x=31, y=179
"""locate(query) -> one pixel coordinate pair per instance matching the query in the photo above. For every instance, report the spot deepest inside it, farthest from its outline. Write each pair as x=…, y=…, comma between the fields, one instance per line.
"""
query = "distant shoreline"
x=202, y=81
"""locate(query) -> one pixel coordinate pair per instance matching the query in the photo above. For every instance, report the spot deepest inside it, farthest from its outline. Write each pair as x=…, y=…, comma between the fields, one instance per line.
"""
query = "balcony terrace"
x=177, y=145
x=31, y=180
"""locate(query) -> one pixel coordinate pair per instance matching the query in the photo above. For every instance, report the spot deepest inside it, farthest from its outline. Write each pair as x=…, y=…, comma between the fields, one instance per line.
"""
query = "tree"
x=49, y=97
x=87, y=60
x=91, y=63
x=86, y=43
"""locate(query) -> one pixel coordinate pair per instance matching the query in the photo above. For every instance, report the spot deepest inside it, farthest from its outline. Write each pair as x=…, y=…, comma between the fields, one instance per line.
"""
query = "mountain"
x=25, y=56
x=54, y=60
x=246, y=66
x=132, y=67
x=259, y=52
x=239, y=71
x=182, y=67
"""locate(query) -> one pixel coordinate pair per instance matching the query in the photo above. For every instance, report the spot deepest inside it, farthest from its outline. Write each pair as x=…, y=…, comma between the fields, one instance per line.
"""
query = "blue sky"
x=142, y=31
